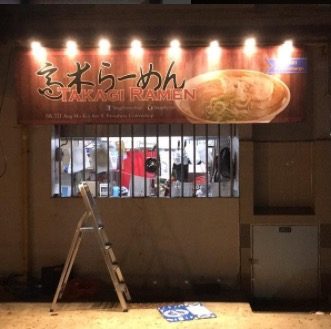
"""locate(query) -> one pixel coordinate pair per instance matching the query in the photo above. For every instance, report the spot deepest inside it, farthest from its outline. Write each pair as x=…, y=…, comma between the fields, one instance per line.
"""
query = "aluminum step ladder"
x=91, y=221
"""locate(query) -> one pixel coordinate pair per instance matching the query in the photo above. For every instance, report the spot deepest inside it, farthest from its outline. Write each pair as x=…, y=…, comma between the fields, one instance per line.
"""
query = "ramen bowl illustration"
x=234, y=96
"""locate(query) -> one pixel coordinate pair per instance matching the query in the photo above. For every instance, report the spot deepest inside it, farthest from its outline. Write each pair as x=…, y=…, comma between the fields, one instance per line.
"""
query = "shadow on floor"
x=14, y=289
x=281, y=305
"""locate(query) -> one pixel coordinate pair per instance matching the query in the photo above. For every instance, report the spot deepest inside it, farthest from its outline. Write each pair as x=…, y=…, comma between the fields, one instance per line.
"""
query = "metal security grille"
x=154, y=160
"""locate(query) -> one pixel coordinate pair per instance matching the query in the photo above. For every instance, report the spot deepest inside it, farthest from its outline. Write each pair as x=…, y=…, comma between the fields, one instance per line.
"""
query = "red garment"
x=138, y=165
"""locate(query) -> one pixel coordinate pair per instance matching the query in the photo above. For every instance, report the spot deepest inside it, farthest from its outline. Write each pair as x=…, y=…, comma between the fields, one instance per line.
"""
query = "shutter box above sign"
x=155, y=88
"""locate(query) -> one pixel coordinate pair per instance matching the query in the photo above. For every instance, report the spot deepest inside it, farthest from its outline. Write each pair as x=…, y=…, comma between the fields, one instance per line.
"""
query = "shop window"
x=154, y=160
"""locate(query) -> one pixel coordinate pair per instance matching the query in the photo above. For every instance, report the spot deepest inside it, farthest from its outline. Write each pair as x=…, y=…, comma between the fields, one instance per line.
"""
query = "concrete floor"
x=234, y=315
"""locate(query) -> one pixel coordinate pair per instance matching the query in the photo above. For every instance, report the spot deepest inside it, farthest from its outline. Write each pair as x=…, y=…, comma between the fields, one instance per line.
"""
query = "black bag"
x=225, y=162
x=222, y=165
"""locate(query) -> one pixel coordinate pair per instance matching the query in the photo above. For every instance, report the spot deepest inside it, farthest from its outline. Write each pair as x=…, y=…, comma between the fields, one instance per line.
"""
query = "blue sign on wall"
x=295, y=65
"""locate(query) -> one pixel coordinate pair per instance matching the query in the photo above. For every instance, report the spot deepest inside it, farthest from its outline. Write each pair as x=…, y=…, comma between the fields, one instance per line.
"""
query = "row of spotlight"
x=214, y=49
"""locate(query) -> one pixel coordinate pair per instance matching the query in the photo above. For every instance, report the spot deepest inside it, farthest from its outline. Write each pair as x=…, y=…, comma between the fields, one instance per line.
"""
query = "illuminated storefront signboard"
x=155, y=87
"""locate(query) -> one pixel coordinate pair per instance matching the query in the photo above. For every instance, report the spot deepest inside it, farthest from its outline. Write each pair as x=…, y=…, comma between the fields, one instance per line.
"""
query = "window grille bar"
x=96, y=159
x=60, y=163
x=182, y=159
x=206, y=149
x=120, y=159
x=170, y=167
x=108, y=160
x=132, y=162
x=235, y=158
x=194, y=162
x=231, y=167
x=158, y=172
x=219, y=161
x=84, y=164
x=145, y=174
x=71, y=168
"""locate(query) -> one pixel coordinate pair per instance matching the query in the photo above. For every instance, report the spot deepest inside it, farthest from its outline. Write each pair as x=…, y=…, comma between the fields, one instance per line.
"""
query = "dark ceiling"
x=157, y=24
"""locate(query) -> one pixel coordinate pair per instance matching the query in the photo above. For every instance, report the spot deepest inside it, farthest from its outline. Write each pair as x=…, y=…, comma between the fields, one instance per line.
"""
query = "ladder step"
x=122, y=286
x=118, y=272
x=112, y=255
x=108, y=245
x=124, y=289
x=87, y=228
x=127, y=294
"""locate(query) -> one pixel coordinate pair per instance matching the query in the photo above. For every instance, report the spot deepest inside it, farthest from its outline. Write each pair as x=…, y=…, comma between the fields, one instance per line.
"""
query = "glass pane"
x=164, y=160
x=102, y=158
x=187, y=161
x=65, y=157
x=114, y=161
x=176, y=172
x=77, y=165
x=182, y=180
x=225, y=166
x=201, y=158
x=126, y=163
x=56, y=159
x=235, y=160
x=213, y=160
x=138, y=187
x=90, y=157
x=151, y=162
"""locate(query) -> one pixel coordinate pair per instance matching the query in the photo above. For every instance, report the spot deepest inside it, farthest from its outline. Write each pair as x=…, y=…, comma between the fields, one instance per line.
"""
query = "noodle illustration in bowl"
x=234, y=96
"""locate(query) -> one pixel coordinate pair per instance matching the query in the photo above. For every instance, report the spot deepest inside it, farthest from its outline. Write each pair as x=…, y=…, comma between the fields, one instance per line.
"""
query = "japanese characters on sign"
x=107, y=87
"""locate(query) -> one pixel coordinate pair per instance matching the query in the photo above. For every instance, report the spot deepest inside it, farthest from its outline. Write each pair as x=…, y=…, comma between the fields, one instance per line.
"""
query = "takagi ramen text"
x=78, y=86
x=134, y=94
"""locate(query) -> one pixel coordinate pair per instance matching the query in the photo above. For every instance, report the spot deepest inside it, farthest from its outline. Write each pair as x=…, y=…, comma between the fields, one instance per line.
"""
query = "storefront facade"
x=283, y=193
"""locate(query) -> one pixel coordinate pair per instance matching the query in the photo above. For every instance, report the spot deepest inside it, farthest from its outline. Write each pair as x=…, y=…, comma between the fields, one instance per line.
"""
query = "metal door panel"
x=285, y=262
